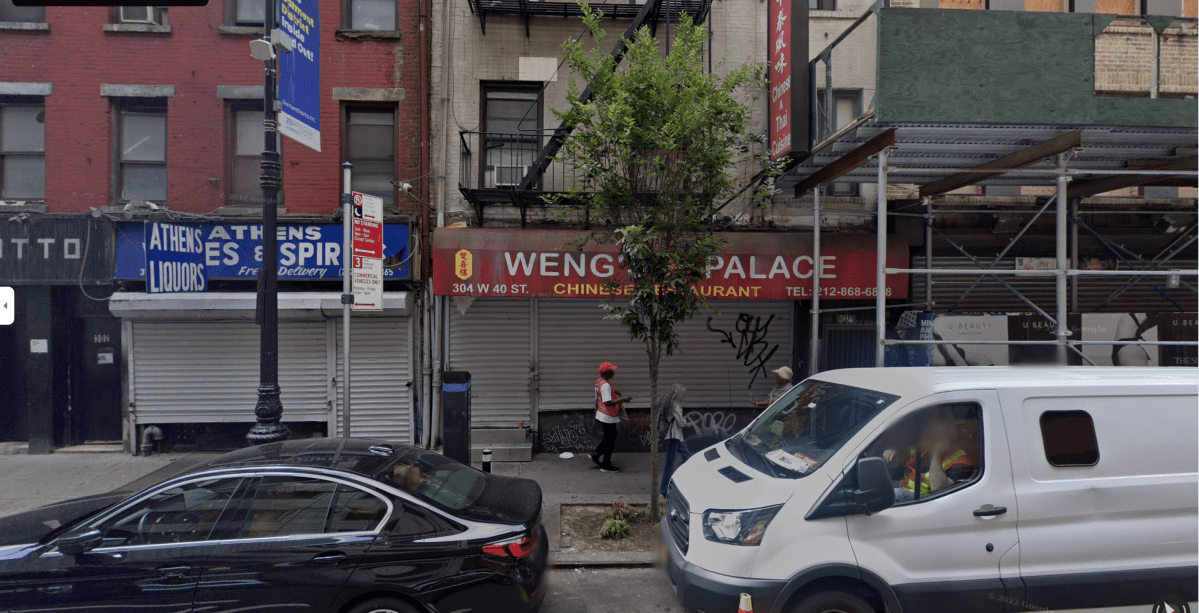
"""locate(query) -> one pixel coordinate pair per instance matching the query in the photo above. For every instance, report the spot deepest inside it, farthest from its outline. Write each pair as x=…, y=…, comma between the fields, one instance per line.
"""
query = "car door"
x=149, y=557
x=952, y=550
x=291, y=544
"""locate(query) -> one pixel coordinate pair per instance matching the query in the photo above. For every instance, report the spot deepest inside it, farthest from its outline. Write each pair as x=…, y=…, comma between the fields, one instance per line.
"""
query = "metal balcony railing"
x=492, y=167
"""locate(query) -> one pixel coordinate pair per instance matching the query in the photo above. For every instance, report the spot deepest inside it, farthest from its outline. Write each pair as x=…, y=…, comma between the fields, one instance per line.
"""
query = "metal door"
x=97, y=395
x=848, y=346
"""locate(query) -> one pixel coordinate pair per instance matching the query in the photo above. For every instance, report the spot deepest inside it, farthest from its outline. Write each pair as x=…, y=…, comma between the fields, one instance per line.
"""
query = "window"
x=511, y=133
x=378, y=15
x=1069, y=438
x=245, y=162
x=247, y=12
x=370, y=145
x=182, y=514
x=21, y=14
x=846, y=106
x=415, y=522
x=287, y=506
x=942, y=444
x=142, y=150
x=22, y=151
x=141, y=15
x=822, y=5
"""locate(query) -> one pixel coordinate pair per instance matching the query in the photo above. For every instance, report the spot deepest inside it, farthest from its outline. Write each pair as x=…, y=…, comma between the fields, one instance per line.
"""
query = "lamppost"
x=269, y=410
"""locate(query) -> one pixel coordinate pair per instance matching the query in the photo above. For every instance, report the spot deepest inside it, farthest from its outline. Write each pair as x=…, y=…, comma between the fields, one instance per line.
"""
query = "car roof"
x=367, y=457
x=914, y=383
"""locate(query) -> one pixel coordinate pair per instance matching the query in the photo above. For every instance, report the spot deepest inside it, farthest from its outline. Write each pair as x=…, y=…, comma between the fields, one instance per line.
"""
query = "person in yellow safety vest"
x=942, y=460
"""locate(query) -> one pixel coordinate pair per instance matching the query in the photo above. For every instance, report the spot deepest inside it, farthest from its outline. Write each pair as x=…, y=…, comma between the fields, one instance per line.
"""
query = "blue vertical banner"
x=174, y=258
x=300, y=73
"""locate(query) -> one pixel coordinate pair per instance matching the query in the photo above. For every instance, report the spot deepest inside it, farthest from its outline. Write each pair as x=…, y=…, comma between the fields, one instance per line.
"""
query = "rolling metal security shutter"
x=380, y=398
x=207, y=371
x=573, y=338
x=492, y=342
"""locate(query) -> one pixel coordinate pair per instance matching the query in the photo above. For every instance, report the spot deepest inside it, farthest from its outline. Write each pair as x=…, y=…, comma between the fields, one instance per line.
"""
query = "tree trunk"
x=654, y=350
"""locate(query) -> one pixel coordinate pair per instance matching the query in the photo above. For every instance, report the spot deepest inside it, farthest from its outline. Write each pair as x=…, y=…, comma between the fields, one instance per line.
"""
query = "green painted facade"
x=1004, y=67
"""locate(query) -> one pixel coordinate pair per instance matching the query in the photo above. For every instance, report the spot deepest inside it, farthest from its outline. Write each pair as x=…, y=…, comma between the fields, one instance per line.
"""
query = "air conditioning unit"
x=508, y=176
x=137, y=14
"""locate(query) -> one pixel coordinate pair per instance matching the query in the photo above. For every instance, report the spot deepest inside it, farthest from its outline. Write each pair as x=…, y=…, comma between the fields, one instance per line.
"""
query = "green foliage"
x=615, y=529
x=620, y=510
x=652, y=148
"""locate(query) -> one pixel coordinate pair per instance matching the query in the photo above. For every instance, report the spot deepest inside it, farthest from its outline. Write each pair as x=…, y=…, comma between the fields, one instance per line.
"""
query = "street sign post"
x=367, y=252
x=300, y=73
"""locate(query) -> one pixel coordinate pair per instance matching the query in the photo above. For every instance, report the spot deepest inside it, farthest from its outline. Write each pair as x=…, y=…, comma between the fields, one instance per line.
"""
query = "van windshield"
x=807, y=426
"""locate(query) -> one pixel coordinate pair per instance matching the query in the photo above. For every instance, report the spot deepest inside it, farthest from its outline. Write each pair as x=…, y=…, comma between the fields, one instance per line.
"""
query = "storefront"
x=61, y=383
x=525, y=318
x=191, y=359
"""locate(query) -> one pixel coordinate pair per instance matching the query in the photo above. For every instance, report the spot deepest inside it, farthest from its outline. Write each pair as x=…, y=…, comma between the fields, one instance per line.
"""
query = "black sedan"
x=328, y=525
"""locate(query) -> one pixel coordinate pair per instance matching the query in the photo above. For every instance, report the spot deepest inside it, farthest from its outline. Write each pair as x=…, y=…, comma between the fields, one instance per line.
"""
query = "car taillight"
x=516, y=548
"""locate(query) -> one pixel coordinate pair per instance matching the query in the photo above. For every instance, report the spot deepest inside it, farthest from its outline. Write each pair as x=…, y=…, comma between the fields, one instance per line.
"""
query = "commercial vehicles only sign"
x=753, y=266
x=367, y=250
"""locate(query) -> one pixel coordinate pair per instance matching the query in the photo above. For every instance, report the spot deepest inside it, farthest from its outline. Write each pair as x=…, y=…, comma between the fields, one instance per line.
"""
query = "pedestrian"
x=670, y=423
x=608, y=410
x=782, y=384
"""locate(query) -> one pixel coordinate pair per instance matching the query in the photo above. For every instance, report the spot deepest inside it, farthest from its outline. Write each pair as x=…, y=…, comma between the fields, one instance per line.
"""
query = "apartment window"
x=21, y=14
x=23, y=151
x=822, y=5
x=511, y=133
x=370, y=145
x=140, y=15
x=247, y=12
x=846, y=107
x=245, y=164
x=375, y=15
x=142, y=150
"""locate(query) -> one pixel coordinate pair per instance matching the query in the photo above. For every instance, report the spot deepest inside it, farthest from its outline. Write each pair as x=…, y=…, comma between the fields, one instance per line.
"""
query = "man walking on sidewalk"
x=608, y=403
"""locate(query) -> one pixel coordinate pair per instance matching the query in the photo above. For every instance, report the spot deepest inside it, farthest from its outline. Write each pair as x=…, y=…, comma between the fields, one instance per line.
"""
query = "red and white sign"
x=754, y=266
x=779, y=51
x=366, y=274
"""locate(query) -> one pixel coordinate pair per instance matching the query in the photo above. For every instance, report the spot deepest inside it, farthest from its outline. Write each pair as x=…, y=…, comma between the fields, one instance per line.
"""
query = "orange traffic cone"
x=747, y=605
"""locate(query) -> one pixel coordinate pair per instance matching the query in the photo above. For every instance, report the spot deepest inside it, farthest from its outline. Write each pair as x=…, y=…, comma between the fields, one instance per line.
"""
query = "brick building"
x=113, y=117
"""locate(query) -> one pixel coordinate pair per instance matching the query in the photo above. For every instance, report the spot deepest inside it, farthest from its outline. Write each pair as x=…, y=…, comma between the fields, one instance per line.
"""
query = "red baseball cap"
x=606, y=366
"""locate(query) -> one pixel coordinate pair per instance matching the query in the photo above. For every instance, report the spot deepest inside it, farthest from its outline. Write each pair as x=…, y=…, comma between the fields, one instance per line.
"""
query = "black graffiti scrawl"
x=753, y=349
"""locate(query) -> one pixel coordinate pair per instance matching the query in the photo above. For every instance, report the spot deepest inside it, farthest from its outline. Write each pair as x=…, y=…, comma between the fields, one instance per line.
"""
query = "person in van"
x=943, y=460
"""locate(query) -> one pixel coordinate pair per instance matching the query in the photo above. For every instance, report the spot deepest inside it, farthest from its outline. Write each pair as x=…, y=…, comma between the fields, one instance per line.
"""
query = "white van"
x=956, y=490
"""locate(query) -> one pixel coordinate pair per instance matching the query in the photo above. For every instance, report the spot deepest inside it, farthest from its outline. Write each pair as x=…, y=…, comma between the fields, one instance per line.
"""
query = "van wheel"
x=831, y=602
x=382, y=605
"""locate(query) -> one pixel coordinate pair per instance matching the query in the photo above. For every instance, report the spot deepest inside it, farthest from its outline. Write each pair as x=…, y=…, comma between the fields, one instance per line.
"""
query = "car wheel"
x=382, y=605
x=831, y=602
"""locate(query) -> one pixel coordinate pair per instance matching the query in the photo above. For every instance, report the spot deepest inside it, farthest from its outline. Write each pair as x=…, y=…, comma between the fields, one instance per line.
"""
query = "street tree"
x=652, y=149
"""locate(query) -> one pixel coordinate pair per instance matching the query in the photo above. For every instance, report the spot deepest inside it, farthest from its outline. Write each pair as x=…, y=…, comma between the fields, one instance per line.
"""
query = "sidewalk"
x=28, y=482
x=579, y=481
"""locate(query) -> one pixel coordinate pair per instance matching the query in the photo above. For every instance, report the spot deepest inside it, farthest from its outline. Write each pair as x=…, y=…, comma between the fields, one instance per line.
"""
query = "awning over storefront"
x=242, y=305
x=754, y=266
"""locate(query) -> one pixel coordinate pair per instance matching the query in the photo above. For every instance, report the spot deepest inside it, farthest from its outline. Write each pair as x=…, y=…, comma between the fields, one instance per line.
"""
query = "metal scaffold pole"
x=814, y=345
x=1062, y=331
x=880, y=298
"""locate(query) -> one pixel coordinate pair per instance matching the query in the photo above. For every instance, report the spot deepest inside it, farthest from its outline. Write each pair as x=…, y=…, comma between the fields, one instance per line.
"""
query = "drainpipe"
x=150, y=435
x=424, y=8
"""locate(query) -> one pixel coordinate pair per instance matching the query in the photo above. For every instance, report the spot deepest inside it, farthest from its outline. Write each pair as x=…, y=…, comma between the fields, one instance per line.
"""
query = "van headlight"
x=738, y=527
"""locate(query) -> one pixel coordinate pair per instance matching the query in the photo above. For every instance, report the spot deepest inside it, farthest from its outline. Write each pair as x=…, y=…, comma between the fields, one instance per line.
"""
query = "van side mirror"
x=874, y=492
x=79, y=541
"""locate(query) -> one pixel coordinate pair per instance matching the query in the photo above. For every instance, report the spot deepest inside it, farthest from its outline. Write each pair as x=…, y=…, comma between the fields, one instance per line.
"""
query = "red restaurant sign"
x=541, y=263
x=779, y=41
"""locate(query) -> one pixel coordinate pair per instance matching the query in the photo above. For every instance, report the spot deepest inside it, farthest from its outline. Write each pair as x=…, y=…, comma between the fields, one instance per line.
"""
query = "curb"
x=606, y=560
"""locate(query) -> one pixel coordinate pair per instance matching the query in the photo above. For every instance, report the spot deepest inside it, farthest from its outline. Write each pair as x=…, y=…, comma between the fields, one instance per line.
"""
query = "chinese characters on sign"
x=367, y=271
x=779, y=19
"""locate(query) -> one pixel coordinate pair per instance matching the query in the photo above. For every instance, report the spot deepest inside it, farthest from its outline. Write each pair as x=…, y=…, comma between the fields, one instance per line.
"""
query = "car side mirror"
x=79, y=541
x=875, y=491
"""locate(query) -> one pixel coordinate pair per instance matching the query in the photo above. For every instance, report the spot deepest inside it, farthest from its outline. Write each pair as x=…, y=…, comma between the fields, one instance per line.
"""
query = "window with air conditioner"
x=137, y=15
x=508, y=176
x=511, y=133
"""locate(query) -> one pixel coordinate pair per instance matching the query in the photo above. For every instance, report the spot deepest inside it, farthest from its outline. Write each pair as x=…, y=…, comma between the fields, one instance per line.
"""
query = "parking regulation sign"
x=367, y=252
x=300, y=73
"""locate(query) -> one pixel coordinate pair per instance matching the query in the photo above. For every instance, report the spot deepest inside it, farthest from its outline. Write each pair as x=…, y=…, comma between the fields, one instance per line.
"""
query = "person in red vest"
x=608, y=403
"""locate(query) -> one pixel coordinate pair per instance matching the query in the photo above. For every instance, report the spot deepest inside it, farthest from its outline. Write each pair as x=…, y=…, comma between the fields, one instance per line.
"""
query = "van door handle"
x=335, y=557
x=989, y=511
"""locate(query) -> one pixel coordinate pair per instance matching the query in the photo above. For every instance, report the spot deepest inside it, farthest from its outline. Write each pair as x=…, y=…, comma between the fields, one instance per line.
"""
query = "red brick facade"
x=77, y=55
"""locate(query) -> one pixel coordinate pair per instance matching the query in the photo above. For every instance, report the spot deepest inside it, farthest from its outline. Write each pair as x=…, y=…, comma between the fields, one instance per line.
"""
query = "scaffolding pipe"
x=1039, y=273
x=814, y=342
x=928, y=250
x=1032, y=305
x=871, y=308
x=880, y=298
x=1062, y=331
x=1006, y=248
x=1073, y=252
x=892, y=341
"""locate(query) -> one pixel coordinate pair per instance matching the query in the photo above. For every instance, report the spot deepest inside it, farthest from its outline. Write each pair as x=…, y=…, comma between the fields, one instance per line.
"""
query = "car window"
x=436, y=479
x=181, y=514
x=416, y=522
x=289, y=506
x=932, y=451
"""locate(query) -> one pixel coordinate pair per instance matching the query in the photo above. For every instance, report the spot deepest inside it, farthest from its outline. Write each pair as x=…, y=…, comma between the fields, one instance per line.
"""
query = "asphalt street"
x=609, y=590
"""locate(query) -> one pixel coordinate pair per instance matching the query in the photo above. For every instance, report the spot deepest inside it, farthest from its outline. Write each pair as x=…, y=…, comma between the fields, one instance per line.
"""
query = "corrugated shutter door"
x=205, y=371
x=380, y=399
x=492, y=342
x=573, y=338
